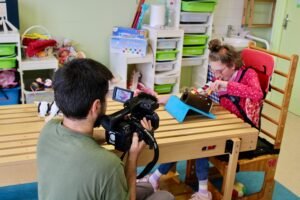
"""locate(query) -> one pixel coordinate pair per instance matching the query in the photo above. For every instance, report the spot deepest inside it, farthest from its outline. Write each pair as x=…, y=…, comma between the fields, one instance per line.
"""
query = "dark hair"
x=226, y=54
x=78, y=84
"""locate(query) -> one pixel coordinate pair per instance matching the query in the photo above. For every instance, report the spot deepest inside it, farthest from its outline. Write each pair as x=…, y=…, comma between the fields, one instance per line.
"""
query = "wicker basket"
x=41, y=31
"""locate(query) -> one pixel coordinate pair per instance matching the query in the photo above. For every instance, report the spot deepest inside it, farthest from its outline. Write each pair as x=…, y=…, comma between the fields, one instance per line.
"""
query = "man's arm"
x=131, y=164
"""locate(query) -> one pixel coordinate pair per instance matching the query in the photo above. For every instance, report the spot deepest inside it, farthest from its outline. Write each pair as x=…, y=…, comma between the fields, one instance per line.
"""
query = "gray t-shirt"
x=73, y=166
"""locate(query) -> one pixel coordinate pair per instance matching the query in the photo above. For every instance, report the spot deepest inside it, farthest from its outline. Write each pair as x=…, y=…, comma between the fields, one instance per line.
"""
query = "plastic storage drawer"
x=166, y=55
x=166, y=78
x=46, y=95
x=163, y=89
x=167, y=43
x=8, y=63
x=7, y=49
x=164, y=66
x=9, y=96
x=194, y=17
x=192, y=61
x=198, y=6
x=195, y=39
x=194, y=28
x=193, y=51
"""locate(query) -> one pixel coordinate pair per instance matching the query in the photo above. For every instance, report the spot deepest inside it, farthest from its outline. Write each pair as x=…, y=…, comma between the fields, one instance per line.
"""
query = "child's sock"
x=203, y=187
x=154, y=178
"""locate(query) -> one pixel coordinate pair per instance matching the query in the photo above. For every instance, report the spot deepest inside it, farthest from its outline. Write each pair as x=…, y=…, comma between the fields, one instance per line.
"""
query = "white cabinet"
x=11, y=37
x=160, y=69
x=166, y=45
x=199, y=24
x=36, y=64
x=119, y=65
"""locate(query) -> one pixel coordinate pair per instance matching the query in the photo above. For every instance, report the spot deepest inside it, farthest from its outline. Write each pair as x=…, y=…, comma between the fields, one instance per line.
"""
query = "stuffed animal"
x=239, y=190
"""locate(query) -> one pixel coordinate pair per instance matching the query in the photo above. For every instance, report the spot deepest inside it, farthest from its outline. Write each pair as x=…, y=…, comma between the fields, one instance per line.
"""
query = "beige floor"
x=288, y=169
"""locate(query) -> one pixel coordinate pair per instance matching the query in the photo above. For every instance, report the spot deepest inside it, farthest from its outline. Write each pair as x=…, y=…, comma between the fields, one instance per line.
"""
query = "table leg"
x=231, y=170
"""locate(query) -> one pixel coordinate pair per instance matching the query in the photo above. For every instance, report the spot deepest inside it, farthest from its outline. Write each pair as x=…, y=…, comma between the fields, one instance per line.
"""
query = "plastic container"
x=45, y=95
x=192, y=39
x=9, y=96
x=164, y=66
x=7, y=49
x=8, y=63
x=163, y=89
x=193, y=51
x=194, y=28
x=194, y=17
x=166, y=55
x=166, y=78
x=167, y=43
x=192, y=61
x=198, y=6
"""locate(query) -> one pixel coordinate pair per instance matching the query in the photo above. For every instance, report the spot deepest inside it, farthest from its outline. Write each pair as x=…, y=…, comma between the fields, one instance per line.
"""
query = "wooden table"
x=195, y=138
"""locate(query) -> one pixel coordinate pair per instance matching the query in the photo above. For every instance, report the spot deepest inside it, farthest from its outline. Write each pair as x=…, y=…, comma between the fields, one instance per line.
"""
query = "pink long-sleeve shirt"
x=249, y=91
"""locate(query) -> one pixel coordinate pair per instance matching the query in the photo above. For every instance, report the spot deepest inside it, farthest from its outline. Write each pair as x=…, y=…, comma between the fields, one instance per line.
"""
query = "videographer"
x=71, y=165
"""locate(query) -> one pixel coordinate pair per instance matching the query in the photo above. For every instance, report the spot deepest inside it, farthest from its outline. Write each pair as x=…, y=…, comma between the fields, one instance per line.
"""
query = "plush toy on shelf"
x=67, y=52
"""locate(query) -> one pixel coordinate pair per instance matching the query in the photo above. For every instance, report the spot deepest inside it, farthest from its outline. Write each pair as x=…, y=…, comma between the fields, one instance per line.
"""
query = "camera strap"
x=151, y=164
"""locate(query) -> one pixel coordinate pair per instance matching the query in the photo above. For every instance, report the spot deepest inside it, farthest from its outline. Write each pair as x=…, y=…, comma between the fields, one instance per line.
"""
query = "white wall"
x=88, y=22
x=227, y=12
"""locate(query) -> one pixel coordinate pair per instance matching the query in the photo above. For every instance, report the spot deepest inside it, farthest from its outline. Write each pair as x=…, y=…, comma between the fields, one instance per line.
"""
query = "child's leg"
x=202, y=167
x=162, y=169
x=165, y=167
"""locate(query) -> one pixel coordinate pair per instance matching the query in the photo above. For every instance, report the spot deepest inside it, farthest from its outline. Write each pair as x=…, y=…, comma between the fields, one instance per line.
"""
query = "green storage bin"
x=198, y=6
x=193, y=51
x=7, y=63
x=7, y=49
x=163, y=89
x=166, y=55
x=191, y=39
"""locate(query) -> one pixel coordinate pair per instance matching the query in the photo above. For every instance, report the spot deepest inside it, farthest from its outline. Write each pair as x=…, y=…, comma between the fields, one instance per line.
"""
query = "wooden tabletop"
x=196, y=137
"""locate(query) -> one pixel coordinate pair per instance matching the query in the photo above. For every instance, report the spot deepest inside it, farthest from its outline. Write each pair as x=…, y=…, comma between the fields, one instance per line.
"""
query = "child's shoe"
x=200, y=196
x=146, y=179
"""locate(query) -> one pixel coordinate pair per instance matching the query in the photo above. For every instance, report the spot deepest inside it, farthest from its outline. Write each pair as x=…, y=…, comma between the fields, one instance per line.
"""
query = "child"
x=227, y=67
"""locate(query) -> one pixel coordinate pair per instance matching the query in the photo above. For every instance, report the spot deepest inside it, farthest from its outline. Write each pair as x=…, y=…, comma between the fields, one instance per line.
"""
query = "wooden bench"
x=20, y=127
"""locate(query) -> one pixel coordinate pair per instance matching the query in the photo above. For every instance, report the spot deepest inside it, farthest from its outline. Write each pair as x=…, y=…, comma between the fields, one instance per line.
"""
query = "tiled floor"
x=288, y=169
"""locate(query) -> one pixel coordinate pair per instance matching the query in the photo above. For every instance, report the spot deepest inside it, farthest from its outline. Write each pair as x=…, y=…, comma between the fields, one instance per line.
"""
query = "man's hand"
x=136, y=147
x=146, y=124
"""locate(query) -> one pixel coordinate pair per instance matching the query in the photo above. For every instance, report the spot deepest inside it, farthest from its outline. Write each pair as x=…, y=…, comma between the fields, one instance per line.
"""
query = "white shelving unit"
x=11, y=37
x=197, y=23
x=164, y=40
x=35, y=64
x=148, y=65
x=119, y=66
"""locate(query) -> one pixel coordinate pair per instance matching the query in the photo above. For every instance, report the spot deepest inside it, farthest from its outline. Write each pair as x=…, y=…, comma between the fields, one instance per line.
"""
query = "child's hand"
x=218, y=85
x=163, y=99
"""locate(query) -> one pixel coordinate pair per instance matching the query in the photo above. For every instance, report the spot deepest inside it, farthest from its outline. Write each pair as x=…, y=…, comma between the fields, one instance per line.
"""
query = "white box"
x=135, y=46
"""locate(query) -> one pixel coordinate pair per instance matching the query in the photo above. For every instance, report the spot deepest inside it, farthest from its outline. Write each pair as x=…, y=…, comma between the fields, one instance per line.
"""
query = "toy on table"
x=47, y=110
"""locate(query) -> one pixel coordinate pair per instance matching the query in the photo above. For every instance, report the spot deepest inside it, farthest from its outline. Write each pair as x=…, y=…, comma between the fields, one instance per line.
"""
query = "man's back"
x=72, y=165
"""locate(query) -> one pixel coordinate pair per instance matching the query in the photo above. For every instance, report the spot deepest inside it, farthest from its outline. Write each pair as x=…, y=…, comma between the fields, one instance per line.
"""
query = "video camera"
x=120, y=126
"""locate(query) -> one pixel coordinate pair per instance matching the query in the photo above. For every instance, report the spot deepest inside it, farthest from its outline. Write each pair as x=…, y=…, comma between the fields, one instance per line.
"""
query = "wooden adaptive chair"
x=272, y=124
